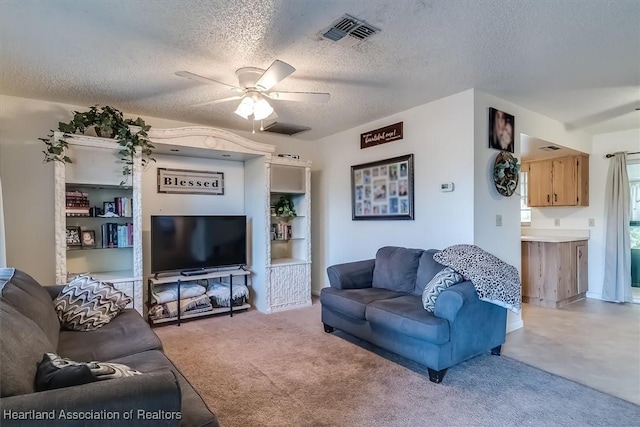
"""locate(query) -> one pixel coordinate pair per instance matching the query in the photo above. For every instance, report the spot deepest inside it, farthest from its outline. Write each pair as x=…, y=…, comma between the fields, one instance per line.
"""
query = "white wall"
x=599, y=167
x=28, y=184
x=440, y=135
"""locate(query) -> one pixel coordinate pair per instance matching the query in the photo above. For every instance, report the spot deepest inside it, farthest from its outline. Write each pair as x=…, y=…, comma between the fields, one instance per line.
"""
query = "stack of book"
x=116, y=235
x=77, y=203
x=123, y=206
x=281, y=231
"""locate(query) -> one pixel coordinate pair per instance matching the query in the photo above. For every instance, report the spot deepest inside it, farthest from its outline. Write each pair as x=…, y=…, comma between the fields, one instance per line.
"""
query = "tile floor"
x=592, y=342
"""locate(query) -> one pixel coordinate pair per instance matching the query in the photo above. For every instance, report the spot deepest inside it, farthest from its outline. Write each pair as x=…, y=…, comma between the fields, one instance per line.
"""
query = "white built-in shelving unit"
x=97, y=171
x=280, y=270
x=290, y=258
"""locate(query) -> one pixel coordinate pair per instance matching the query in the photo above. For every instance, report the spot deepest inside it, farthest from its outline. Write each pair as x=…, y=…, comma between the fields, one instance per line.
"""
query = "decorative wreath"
x=506, y=173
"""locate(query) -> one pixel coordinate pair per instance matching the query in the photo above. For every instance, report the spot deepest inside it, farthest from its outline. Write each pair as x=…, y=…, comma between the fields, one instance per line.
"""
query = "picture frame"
x=501, y=130
x=108, y=208
x=88, y=238
x=73, y=237
x=383, y=190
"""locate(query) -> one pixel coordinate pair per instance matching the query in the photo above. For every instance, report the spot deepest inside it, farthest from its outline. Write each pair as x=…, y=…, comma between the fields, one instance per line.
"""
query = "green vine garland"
x=108, y=122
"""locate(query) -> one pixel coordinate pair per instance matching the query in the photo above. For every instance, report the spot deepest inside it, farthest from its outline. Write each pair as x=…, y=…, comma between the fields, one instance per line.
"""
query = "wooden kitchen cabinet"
x=563, y=181
x=554, y=274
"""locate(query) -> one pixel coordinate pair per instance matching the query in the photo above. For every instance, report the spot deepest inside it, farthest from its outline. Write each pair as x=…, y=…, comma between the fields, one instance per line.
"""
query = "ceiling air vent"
x=347, y=25
x=285, y=129
x=550, y=148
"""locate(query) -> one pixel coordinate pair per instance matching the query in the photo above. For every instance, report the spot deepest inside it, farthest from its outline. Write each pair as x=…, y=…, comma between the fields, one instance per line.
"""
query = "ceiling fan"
x=254, y=89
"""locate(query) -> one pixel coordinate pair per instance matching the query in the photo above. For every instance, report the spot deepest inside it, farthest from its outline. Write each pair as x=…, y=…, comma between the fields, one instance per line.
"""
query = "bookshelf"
x=290, y=246
x=89, y=200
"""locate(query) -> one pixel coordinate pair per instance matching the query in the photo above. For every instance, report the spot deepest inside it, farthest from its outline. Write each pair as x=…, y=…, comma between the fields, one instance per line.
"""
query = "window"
x=525, y=210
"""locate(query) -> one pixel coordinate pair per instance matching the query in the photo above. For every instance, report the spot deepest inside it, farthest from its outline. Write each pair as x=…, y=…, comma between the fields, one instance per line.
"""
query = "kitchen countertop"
x=552, y=239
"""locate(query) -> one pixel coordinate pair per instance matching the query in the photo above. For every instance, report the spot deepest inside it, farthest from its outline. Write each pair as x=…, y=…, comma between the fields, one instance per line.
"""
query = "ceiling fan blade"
x=299, y=96
x=218, y=101
x=206, y=80
x=274, y=74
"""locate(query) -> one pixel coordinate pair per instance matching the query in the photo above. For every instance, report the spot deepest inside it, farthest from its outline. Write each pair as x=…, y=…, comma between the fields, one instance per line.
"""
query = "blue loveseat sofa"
x=380, y=301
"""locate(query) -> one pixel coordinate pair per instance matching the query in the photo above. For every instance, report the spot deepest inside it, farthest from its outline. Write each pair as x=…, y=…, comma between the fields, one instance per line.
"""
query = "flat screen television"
x=197, y=242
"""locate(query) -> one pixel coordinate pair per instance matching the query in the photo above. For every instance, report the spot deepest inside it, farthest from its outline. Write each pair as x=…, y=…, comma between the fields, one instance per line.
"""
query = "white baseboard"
x=515, y=325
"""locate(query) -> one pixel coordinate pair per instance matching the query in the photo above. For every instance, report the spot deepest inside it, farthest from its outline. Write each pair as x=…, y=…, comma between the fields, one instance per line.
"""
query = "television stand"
x=199, y=275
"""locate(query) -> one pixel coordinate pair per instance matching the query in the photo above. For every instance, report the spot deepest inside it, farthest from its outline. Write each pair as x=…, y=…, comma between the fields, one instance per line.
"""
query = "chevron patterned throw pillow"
x=86, y=304
x=441, y=281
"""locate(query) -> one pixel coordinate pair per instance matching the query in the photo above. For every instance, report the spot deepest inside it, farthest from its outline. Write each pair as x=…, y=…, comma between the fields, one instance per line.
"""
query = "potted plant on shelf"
x=107, y=122
x=284, y=207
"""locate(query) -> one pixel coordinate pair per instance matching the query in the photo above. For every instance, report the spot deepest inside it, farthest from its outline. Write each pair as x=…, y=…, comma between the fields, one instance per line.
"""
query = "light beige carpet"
x=284, y=370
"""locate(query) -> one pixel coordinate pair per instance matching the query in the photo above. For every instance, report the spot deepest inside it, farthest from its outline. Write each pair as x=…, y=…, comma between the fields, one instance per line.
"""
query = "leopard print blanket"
x=495, y=281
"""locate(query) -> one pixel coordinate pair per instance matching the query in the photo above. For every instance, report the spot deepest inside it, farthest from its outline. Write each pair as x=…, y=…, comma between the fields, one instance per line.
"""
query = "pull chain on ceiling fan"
x=254, y=89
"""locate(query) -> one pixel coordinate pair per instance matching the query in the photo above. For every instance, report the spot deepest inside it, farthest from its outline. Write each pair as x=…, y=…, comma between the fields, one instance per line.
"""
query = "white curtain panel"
x=3, y=249
x=617, y=260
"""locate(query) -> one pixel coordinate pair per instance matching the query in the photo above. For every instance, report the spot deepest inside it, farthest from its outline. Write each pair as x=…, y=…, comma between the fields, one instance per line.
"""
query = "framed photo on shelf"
x=383, y=190
x=73, y=237
x=89, y=239
x=108, y=208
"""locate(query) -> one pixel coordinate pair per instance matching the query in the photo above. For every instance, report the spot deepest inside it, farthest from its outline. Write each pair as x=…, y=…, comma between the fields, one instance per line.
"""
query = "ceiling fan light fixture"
x=245, y=109
x=262, y=109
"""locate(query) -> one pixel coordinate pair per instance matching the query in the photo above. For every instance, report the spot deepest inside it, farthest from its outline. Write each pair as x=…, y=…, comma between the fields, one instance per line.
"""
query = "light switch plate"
x=446, y=187
x=556, y=222
x=498, y=220
x=592, y=222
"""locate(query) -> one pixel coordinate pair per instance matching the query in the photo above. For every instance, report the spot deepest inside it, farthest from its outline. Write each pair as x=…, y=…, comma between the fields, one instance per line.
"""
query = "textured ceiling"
x=577, y=62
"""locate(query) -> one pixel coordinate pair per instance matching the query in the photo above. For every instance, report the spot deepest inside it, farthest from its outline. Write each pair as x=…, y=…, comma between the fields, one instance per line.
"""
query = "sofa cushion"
x=32, y=300
x=353, y=302
x=405, y=316
x=87, y=304
x=194, y=411
x=396, y=268
x=127, y=334
x=441, y=281
x=22, y=344
x=427, y=268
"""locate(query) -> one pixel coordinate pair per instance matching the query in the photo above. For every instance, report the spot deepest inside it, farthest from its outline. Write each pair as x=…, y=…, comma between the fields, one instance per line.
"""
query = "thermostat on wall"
x=446, y=187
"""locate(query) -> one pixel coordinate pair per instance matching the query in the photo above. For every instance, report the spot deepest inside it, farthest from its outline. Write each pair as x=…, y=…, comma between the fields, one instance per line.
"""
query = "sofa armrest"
x=351, y=275
x=132, y=401
x=54, y=290
x=451, y=300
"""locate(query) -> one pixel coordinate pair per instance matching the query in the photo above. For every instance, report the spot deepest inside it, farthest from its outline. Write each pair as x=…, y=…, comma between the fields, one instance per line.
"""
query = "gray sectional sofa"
x=29, y=327
x=379, y=301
